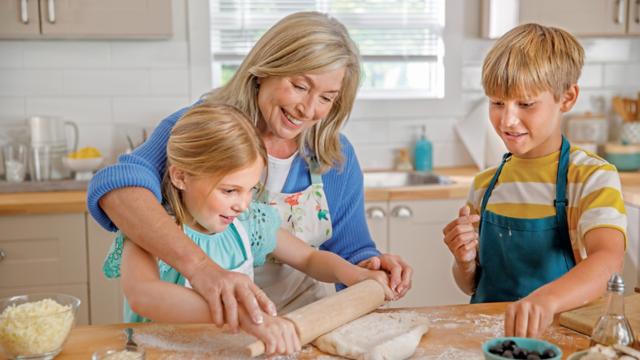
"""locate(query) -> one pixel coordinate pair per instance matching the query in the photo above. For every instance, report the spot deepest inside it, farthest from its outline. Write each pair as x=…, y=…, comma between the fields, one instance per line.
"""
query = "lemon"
x=87, y=152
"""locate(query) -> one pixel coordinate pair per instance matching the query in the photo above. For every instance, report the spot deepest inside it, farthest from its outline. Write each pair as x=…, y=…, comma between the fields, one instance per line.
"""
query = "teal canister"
x=423, y=153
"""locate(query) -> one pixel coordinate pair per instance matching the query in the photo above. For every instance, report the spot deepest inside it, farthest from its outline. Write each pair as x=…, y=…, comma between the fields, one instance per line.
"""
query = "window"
x=400, y=40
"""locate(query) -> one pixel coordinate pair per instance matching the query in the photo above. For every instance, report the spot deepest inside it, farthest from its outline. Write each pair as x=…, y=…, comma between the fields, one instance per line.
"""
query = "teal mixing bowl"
x=529, y=344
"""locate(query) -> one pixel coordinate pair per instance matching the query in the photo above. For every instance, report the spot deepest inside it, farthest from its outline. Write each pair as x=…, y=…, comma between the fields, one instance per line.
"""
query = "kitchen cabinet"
x=414, y=232
x=85, y=19
x=631, y=272
x=45, y=253
x=580, y=17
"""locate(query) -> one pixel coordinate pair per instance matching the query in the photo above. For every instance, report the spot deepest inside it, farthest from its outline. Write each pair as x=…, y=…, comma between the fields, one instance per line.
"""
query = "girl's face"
x=291, y=104
x=212, y=210
x=530, y=127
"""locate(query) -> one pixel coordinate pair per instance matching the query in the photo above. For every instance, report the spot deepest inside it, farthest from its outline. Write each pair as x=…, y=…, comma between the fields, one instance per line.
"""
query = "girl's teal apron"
x=517, y=255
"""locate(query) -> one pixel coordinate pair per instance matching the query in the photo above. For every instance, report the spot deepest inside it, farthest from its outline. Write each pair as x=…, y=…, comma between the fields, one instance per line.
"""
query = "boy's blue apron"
x=518, y=255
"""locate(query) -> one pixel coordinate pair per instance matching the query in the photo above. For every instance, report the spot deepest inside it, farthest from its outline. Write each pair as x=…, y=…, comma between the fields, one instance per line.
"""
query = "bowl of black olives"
x=520, y=348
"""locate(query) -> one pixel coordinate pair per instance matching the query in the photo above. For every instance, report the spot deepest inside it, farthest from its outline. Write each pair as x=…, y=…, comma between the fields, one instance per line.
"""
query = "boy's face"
x=530, y=127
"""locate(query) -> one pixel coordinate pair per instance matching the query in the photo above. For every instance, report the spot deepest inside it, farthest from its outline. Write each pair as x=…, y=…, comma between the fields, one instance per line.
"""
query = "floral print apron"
x=306, y=215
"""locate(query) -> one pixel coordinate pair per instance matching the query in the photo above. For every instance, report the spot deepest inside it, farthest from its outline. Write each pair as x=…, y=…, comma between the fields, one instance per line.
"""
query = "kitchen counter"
x=13, y=203
x=456, y=332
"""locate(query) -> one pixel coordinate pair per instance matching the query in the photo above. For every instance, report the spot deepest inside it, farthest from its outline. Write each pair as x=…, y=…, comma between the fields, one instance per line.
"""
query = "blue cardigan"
x=145, y=166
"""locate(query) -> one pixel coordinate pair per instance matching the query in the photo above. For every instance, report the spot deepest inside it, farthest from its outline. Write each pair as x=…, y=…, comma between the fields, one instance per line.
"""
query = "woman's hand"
x=278, y=334
x=529, y=316
x=383, y=279
x=223, y=290
x=399, y=272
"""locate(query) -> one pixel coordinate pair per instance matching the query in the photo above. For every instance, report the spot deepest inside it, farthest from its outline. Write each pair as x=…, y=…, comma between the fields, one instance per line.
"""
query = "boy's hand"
x=529, y=317
x=278, y=334
x=461, y=237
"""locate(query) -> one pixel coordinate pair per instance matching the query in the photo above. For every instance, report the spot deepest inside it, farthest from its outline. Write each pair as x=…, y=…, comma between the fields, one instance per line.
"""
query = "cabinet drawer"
x=42, y=250
x=78, y=290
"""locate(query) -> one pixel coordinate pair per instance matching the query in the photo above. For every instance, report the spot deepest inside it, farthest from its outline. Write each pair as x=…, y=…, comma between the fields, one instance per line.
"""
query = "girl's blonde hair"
x=209, y=141
x=532, y=58
x=303, y=42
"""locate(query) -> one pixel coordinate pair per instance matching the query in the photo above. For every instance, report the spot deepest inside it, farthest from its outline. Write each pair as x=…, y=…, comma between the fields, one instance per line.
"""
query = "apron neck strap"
x=561, y=201
x=492, y=184
x=314, y=170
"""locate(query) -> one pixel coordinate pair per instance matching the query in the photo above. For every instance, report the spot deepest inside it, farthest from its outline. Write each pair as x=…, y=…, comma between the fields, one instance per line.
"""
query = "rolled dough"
x=377, y=336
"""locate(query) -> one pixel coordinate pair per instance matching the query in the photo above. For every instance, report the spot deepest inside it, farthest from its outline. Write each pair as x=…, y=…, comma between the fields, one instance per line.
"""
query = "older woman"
x=298, y=85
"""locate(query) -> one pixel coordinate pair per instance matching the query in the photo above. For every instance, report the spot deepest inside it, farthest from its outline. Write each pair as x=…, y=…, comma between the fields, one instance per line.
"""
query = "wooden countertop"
x=456, y=332
x=75, y=201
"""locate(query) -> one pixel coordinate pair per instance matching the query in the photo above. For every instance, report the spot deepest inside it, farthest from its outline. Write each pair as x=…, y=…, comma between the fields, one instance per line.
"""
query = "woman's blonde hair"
x=303, y=42
x=532, y=58
x=210, y=141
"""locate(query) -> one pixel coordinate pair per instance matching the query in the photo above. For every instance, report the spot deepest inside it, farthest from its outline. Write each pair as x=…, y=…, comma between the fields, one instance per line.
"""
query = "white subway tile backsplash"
x=149, y=54
x=591, y=76
x=622, y=75
x=66, y=54
x=106, y=82
x=98, y=136
x=12, y=110
x=146, y=110
x=169, y=82
x=609, y=50
x=82, y=110
x=22, y=82
x=11, y=55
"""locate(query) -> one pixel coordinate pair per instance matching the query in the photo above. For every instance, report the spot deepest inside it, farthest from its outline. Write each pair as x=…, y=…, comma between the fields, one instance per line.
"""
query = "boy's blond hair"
x=530, y=59
x=210, y=141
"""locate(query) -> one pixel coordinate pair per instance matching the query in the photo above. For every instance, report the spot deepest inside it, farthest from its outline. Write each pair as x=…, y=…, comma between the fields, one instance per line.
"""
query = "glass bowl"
x=118, y=354
x=36, y=326
x=530, y=344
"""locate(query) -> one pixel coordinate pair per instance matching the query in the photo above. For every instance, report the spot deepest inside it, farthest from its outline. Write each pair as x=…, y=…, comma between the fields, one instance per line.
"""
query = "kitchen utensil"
x=529, y=344
x=630, y=132
x=36, y=336
x=15, y=162
x=40, y=163
x=130, y=345
x=326, y=314
x=53, y=132
x=584, y=319
x=82, y=168
x=626, y=108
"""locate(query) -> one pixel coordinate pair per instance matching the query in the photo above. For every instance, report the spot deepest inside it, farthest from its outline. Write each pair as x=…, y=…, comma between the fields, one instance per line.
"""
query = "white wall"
x=111, y=88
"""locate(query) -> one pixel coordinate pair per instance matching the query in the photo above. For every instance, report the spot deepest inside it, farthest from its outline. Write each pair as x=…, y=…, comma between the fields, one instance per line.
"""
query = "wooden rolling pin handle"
x=327, y=314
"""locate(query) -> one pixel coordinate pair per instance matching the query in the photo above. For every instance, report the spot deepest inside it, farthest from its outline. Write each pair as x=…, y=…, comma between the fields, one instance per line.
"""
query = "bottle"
x=423, y=155
x=403, y=162
x=613, y=327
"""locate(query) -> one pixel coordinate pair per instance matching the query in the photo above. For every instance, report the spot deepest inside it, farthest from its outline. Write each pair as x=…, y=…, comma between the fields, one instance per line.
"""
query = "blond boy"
x=546, y=228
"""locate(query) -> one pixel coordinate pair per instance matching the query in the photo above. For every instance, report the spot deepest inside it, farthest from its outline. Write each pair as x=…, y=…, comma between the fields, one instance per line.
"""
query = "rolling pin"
x=324, y=315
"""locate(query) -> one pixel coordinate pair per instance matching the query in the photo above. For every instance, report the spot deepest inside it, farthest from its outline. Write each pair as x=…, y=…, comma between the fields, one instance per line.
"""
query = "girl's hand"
x=529, y=316
x=278, y=334
x=399, y=271
x=383, y=279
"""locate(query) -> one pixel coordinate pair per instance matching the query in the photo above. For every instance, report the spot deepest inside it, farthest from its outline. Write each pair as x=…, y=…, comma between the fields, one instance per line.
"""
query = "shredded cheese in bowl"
x=36, y=324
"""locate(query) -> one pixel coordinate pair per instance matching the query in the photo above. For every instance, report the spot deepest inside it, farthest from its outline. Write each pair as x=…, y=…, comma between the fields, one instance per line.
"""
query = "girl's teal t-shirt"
x=261, y=222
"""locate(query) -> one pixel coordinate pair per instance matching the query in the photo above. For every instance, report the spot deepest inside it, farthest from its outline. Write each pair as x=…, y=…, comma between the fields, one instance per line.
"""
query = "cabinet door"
x=19, y=19
x=633, y=20
x=415, y=233
x=106, y=19
x=39, y=250
x=580, y=17
x=631, y=272
x=106, y=295
x=377, y=220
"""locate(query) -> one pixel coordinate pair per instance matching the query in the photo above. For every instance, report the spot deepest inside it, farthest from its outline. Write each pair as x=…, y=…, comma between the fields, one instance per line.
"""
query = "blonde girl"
x=215, y=161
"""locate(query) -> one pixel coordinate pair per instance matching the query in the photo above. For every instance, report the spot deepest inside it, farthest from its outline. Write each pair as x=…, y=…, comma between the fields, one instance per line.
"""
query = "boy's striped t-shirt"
x=526, y=189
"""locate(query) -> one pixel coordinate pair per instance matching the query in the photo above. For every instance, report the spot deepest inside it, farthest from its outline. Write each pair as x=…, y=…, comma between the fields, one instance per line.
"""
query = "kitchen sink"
x=382, y=179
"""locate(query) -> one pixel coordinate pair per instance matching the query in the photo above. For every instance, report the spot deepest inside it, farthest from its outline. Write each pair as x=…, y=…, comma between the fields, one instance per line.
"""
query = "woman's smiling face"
x=291, y=104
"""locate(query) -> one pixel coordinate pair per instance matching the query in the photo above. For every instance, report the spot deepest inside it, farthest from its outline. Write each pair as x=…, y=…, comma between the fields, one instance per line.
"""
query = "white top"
x=278, y=171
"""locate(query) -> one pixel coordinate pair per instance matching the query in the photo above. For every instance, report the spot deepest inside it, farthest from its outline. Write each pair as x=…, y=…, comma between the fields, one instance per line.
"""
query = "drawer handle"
x=24, y=12
x=51, y=9
x=375, y=213
x=2, y=255
x=619, y=16
x=402, y=212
